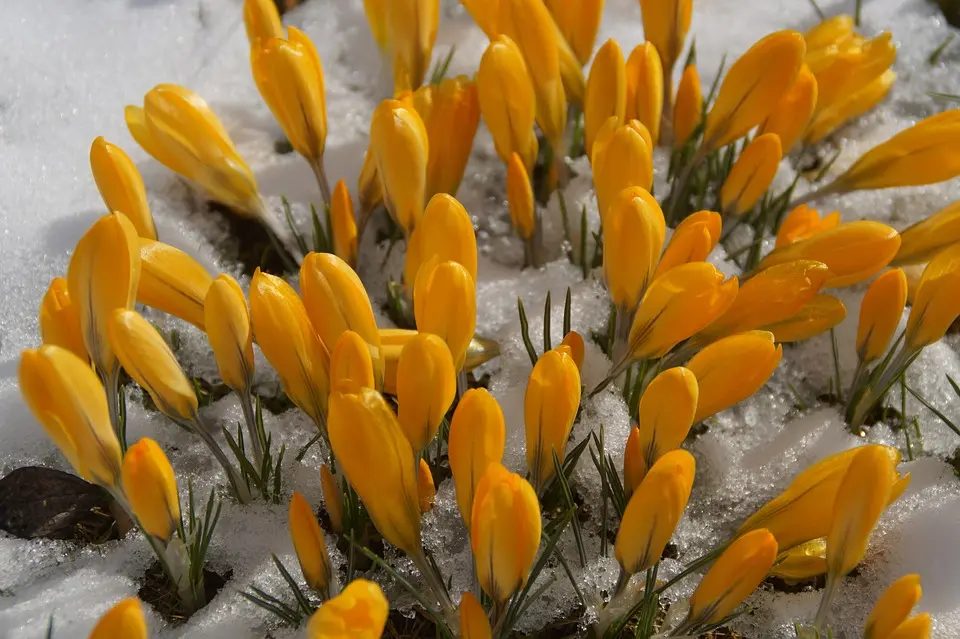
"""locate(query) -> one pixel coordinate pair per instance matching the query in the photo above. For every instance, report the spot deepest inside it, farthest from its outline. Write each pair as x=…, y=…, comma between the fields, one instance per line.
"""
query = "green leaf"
x=933, y=409
x=525, y=333
x=566, y=313
x=571, y=504
x=547, y=307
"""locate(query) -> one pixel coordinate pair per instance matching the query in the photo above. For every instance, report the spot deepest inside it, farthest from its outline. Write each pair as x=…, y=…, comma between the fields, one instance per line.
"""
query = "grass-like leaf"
x=525, y=333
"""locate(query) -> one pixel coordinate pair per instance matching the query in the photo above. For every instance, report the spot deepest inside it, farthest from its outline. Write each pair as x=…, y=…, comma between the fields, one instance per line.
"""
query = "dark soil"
x=158, y=592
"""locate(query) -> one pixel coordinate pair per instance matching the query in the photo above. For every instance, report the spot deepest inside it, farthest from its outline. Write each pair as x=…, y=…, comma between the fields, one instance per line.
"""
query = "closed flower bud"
x=181, y=132
x=831, y=31
x=173, y=282
x=634, y=228
x=688, y=107
x=677, y=305
x=60, y=319
x=574, y=343
x=378, y=462
x=336, y=301
x=929, y=236
x=451, y=114
x=344, y=224
x=549, y=408
x=772, y=295
x=665, y=24
x=289, y=75
x=916, y=627
x=751, y=175
x=853, y=252
x=817, y=316
x=667, y=407
x=606, y=91
x=146, y=357
x=827, y=120
x=735, y=575
x=369, y=189
x=67, y=398
x=692, y=241
x=262, y=20
x=376, y=11
x=474, y=623
x=289, y=342
x=520, y=198
x=645, y=88
x=485, y=14
x=401, y=150
x=359, y=612
x=653, y=512
x=445, y=233
x=151, y=489
x=893, y=607
x=479, y=352
x=732, y=369
x=309, y=545
x=622, y=158
x=350, y=362
x=504, y=531
x=426, y=489
x=850, y=67
x=502, y=75
x=936, y=304
x=477, y=435
x=880, y=313
x=634, y=466
x=445, y=304
x=227, y=321
x=121, y=186
x=426, y=386
x=752, y=87
x=579, y=23
x=806, y=561
x=332, y=498
x=124, y=619
x=803, y=223
x=411, y=29
x=790, y=117
x=103, y=276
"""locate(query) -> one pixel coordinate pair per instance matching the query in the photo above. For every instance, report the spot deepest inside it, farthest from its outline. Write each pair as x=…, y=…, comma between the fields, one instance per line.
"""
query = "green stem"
x=255, y=435
x=237, y=485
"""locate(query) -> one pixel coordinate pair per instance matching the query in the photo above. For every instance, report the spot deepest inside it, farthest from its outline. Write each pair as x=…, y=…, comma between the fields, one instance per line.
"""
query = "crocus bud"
x=772, y=295
x=411, y=29
x=66, y=397
x=831, y=31
x=634, y=466
x=378, y=462
x=332, y=498
x=477, y=435
x=103, y=276
x=644, y=73
x=474, y=623
x=677, y=305
x=60, y=319
x=634, y=228
x=173, y=282
x=578, y=23
x=369, y=189
x=936, y=305
x=818, y=315
x=826, y=121
x=929, y=236
x=880, y=313
x=916, y=627
x=923, y=154
x=790, y=117
x=181, y=132
x=863, y=494
x=849, y=67
x=121, y=186
x=445, y=233
x=479, y=352
x=289, y=75
x=752, y=87
x=376, y=11
x=350, y=362
x=145, y=356
x=504, y=531
x=549, y=408
x=426, y=386
x=426, y=489
x=665, y=25
x=667, y=407
x=622, y=158
x=336, y=301
x=124, y=619
x=803, y=562
x=401, y=149
x=359, y=611
x=289, y=342
x=692, y=241
x=751, y=175
x=735, y=575
x=231, y=336
x=688, y=107
x=451, y=113
x=653, y=512
x=803, y=223
x=151, y=489
x=262, y=20
x=893, y=607
x=520, y=198
x=445, y=304
x=309, y=545
x=574, y=343
x=507, y=101
x=853, y=252
x=606, y=91
x=344, y=224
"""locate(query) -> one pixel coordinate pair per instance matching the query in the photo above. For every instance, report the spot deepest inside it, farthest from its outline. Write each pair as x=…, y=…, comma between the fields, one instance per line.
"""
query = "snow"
x=71, y=68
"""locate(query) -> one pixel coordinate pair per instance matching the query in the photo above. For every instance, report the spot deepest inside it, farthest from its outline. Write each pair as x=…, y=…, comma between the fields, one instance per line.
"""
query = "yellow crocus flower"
x=826, y=121
x=688, y=107
x=261, y=20
x=401, y=150
x=852, y=68
x=818, y=315
x=880, y=313
x=426, y=489
x=344, y=225
x=622, y=158
x=230, y=332
x=666, y=410
x=578, y=23
x=477, y=436
x=60, y=319
x=665, y=25
x=606, y=91
x=411, y=30
x=350, y=361
x=445, y=234
x=151, y=489
x=121, y=186
x=929, y=236
x=445, y=304
x=309, y=545
x=520, y=198
x=173, y=282
x=645, y=89
x=124, y=619
x=802, y=562
x=893, y=607
x=332, y=498
x=692, y=241
x=426, y=386
x=936, y=304
x=804, y=222
x=789, y=119
x=634, y=229
x=451, y=113
x=474, y=623
x=751, y=175
x=358, y=612
x=549, y=407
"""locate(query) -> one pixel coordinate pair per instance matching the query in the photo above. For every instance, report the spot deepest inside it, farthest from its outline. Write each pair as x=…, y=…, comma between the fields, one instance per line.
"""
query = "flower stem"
x=252, y=428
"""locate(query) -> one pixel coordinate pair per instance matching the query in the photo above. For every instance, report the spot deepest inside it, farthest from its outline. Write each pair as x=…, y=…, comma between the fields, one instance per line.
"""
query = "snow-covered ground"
x=70, y=67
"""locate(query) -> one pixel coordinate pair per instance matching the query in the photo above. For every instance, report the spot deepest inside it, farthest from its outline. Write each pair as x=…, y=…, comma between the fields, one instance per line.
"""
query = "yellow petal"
x=344, y=224
x=606, y=91
x=853, y=105
x=929, y=236
x=666, y=410
x=227, y=322
x=376, y=11
x=880, y=313
x=261, y=20
x=445, y=304
x=665, y=24
x=477, y=435
x=817, y=316
x=121, y=186
x=411, y=31
x=151, y=488
x=60, y=319
x=893, y=607
x=350, y=362
x=574, y=343
x=332, y=498
x=309, y=544
x=473, y=620
x=644, y=73
x=426, y=489
x=634, y=229
x=688, y=107
x=520, y=198
x=916, y=627
x=549, y=407
x=936, y=304
x=790, y=117
x=446, y=234
x=124, y=619
x=399, y=142
x=359, y=612
x=692, y=241
x=507, y=101
x=751, y=175
x=803, y=562
x=622, y=158
x=851, y=69
x=173, y=282
x=802, y=223
x=426, y=385
x=451, y=126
